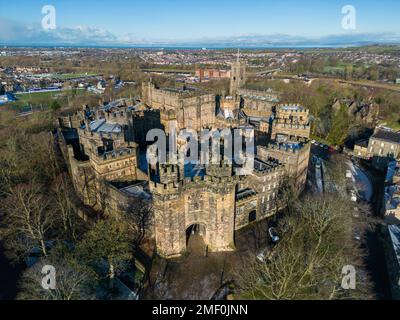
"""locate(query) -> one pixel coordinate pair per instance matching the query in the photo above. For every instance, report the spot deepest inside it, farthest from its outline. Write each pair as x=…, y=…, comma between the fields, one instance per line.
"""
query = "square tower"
x=238, y=76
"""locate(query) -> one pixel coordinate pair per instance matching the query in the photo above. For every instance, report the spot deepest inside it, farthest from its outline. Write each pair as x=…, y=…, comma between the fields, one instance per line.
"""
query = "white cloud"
x=19, y=33
x=33, y=34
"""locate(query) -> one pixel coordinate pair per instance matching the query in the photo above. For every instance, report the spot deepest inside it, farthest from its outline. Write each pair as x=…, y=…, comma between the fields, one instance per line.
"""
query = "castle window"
x=252, y=216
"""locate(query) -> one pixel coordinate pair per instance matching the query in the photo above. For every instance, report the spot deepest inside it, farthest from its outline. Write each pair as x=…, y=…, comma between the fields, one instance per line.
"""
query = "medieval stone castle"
x=105, y=149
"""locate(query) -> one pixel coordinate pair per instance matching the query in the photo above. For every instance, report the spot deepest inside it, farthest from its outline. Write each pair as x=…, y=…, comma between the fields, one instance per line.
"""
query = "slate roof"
x=387, y=135
x=104, y=127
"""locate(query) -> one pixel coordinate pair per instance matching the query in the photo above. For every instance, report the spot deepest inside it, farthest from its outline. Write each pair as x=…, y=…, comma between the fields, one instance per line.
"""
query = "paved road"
x=361, y=182
x=374, y=260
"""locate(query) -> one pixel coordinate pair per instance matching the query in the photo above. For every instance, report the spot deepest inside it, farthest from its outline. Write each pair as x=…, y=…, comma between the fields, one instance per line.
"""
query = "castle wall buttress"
x=223, y=224
x=170, y=232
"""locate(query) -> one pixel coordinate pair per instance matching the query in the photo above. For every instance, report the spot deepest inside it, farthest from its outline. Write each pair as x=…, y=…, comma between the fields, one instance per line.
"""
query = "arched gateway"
x=202, y=208
x=196, y=238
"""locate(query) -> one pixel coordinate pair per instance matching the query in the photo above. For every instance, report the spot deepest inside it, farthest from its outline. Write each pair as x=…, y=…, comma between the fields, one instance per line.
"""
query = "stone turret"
x=169, y=173
x=238, y=76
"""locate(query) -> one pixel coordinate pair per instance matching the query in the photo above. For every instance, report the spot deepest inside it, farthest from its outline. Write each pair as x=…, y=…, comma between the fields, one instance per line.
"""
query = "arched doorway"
x=195, y=238
x=252, y=216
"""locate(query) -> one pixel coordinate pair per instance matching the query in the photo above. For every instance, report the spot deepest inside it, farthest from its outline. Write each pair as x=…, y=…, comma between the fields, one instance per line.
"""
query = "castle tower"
x=147, y=91
x=169, y=210
x=179, y=204
x=238, y=76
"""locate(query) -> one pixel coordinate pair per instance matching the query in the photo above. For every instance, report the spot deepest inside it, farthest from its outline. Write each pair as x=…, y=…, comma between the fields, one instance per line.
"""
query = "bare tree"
x=73, y=281
x=138, y=217
x=317, y=242
x=28, y=219
x=64, y=203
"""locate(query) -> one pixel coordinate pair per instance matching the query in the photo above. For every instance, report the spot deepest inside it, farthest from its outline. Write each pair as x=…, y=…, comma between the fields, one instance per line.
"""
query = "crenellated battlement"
x=193, y=182
x=292, y=108
x=166, y=188
x=286, y=147
x=290, y=125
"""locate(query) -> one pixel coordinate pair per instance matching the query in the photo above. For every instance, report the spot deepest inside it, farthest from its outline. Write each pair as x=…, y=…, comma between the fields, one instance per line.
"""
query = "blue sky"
x=131, y=20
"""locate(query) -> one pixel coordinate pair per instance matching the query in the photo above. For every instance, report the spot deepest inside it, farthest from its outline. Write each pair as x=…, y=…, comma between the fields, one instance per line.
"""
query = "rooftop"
x=102, y=126
x=261, y=98
x=114, y=104
x=184, y=91
x=291, y=108
x=387, y=135
x=139, y=190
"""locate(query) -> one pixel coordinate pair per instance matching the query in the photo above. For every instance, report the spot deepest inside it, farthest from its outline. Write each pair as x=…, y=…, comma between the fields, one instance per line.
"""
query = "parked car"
x=353, y=196
x=263, y=256
x=273, y=235
x=357, y=235
x=331, y=149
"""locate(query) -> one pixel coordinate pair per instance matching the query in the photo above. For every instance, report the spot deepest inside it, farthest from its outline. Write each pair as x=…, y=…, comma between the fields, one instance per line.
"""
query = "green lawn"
x=169, y=70
x=43, y=98
x=69, y=76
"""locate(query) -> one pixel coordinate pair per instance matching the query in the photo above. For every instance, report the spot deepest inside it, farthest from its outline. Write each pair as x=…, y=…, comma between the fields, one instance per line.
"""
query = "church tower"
x=238, y=75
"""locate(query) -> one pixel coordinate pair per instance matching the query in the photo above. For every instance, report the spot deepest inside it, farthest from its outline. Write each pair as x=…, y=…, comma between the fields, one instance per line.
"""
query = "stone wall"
x=190, y=110
x=296, y=161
